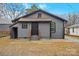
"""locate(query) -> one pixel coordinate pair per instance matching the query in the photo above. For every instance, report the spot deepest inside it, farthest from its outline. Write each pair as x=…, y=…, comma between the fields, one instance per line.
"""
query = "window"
x=53, y=27
x=39, y=15
x=24, y=25
x=68, y=30
x=73, y=29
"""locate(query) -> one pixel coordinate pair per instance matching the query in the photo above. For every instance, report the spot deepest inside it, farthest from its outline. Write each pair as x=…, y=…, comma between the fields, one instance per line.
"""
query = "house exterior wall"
x=76, y=31
x=59, y=29
x=24, y=32
x=44, y=30
x=66, y=31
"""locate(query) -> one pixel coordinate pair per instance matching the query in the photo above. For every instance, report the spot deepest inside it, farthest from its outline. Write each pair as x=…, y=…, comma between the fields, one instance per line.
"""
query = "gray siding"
x=44, y=30
x=24, y=32
x=59, y=29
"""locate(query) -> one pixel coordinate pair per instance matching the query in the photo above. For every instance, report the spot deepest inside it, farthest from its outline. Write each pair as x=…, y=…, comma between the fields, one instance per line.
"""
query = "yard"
x=4, y=33
x=23, y=47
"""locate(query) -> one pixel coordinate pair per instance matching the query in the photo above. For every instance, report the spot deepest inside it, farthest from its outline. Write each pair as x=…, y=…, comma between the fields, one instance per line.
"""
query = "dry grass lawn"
x=4, y=33
x=9, y=47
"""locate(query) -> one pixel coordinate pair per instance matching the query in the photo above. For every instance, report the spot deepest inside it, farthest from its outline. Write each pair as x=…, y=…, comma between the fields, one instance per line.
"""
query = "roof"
x=75, y=25
x=41, y=11
x=13, y=24
x=28, y=20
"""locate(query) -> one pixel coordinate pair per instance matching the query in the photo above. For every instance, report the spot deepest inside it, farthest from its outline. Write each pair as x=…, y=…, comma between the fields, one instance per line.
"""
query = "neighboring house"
x=72, y=30
x=4, y=25
x=40, y=24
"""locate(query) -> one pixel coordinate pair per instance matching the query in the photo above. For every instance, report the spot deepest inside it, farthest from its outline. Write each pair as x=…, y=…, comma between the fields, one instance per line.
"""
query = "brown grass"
x=38, y=47
x=72, y=36
x=77, y=36
x=4, y=33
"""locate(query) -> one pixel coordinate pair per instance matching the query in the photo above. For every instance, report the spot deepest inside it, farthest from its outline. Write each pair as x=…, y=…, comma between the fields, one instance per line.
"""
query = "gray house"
x=4, y=25
x=40, y=24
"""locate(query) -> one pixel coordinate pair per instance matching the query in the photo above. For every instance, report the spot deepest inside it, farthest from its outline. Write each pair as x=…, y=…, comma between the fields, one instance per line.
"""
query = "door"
x=14, y=32
x=34, y=30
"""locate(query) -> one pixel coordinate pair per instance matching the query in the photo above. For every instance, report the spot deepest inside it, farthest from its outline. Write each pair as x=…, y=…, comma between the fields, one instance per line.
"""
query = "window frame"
x=73, y=29
x=68, y=30
x=53, y=27
x=24, y=25
x=39, y=15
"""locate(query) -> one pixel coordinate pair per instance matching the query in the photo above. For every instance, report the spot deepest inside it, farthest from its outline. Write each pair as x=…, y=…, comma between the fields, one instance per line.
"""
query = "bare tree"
x=11, y=10
x=72, y=19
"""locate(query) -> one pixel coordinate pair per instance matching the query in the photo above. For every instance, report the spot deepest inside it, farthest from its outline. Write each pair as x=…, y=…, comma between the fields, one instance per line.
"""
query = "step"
x=35, y=37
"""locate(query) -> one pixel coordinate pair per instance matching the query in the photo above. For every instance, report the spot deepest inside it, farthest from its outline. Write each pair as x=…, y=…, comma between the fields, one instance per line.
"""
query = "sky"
x=57, y=8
